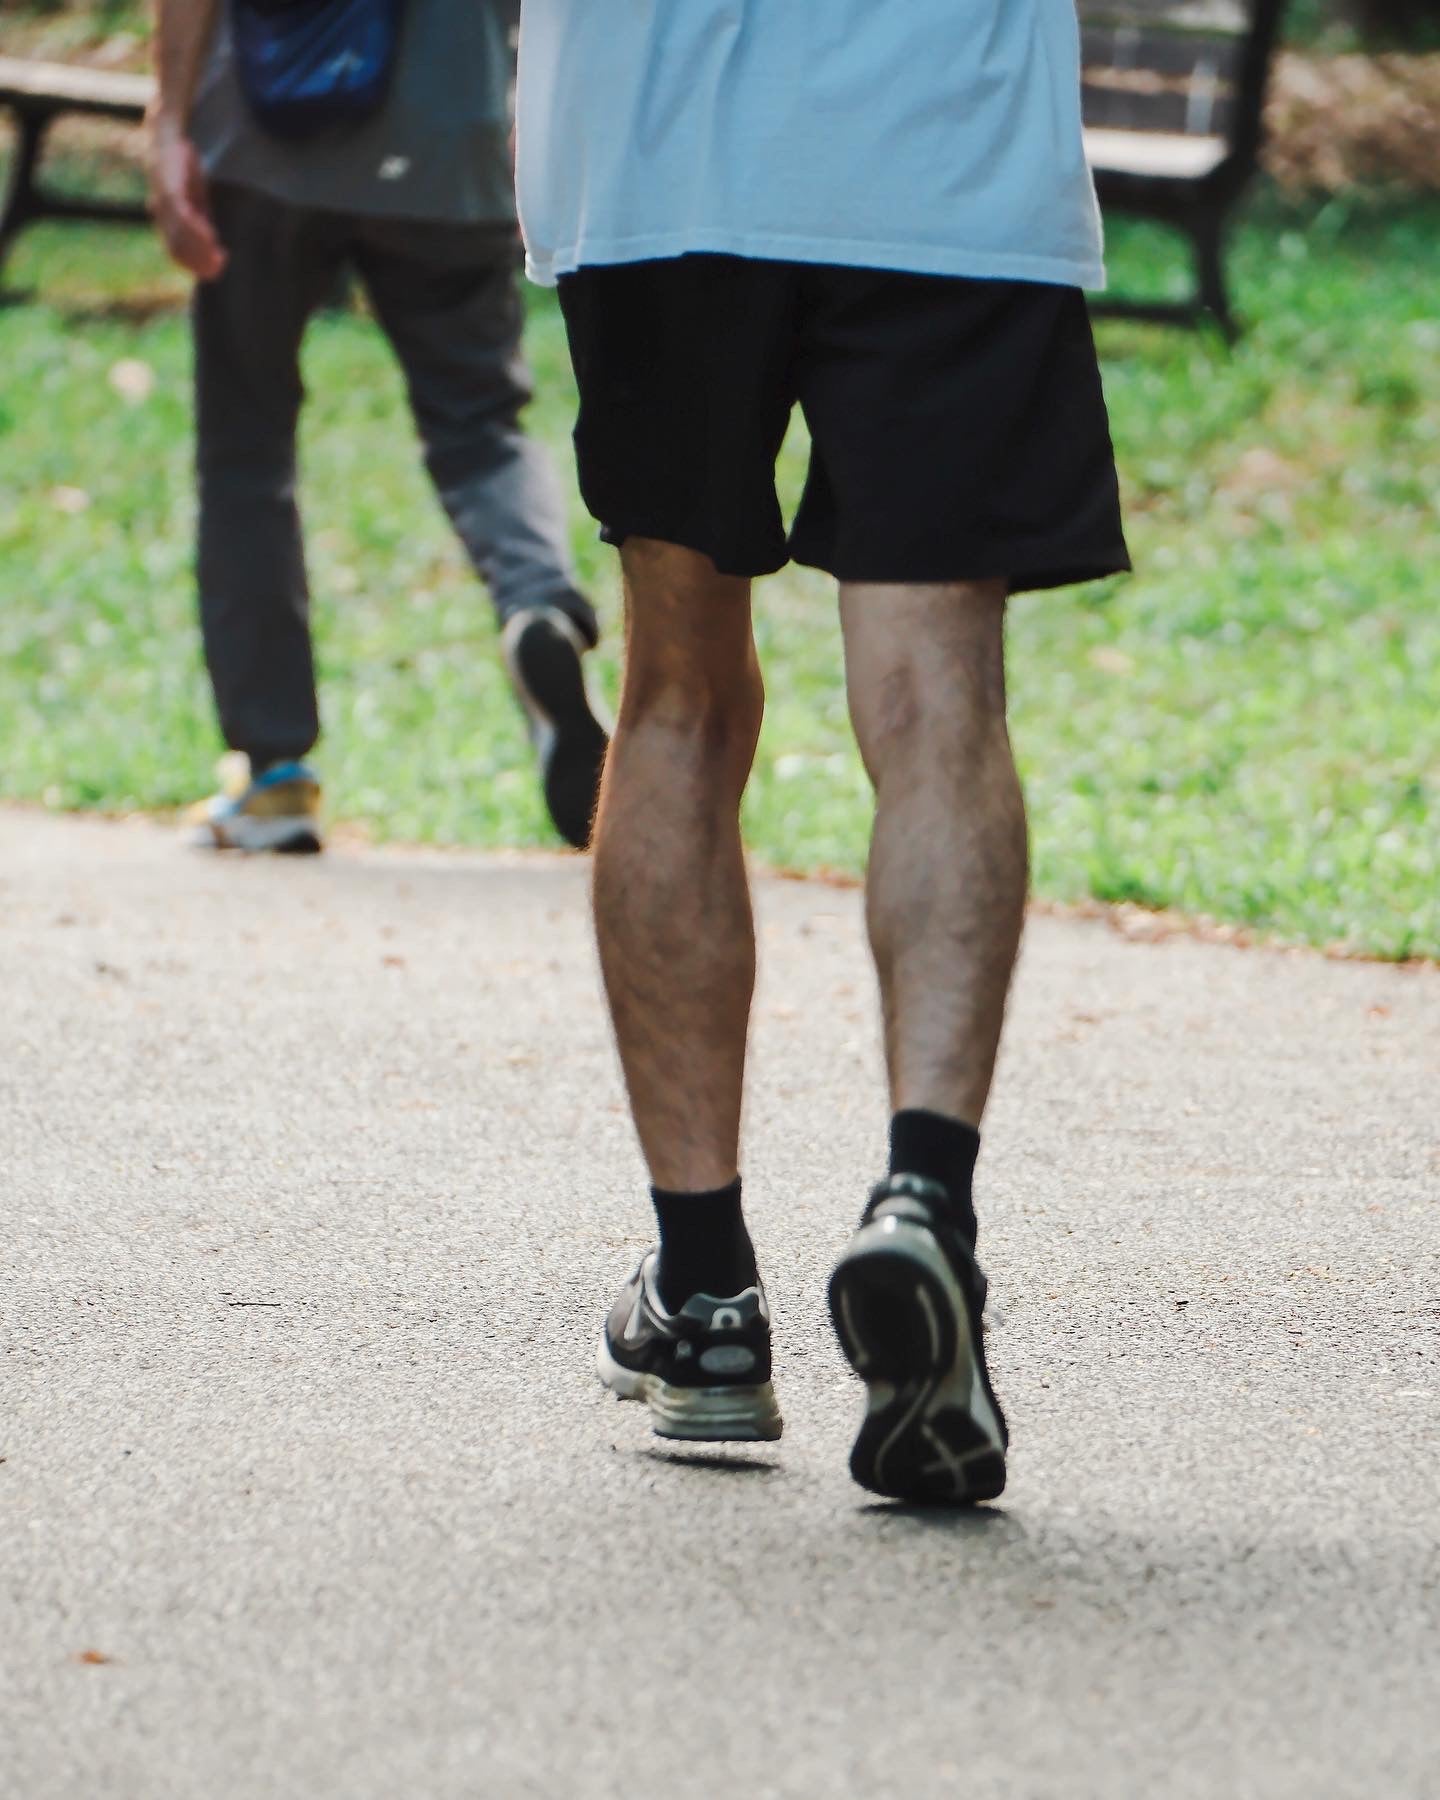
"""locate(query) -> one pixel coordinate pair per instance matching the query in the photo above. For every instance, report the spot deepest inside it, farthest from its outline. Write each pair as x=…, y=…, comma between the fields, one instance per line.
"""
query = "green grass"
x=1247, y=729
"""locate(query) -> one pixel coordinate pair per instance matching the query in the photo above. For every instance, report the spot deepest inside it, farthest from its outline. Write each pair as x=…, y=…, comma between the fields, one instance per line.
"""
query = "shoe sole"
x=253, y=837
x=931, y=1431
x=550, y=681
x=713, y=1415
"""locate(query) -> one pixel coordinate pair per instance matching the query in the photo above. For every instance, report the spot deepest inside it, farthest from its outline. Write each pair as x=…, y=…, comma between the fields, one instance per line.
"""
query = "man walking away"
x=883, y=214
x=290, y=143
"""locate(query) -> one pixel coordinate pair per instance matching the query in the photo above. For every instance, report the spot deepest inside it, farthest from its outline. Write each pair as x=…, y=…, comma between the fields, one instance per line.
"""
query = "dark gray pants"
x=447, y=298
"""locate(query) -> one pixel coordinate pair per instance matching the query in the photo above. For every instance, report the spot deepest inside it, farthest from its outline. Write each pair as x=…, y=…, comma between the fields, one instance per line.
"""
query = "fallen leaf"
x=1262, y=471
x=92, y=1656
x=1111, y=661
x=132, y=379
x=69, y=499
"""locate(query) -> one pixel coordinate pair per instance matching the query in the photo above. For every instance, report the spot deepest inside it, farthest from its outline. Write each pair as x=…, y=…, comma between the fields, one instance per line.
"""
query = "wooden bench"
x=1174, y=97
x=38, y=93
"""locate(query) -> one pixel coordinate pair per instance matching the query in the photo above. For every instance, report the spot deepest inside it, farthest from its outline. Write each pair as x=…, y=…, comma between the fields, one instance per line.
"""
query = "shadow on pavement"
x=712, y=1459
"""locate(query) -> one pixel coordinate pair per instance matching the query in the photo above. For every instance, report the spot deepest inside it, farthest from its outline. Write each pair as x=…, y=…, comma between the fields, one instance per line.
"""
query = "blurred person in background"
x=292, y=141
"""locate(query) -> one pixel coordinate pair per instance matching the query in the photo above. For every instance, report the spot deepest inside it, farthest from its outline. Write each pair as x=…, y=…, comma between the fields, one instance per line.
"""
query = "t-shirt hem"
x=550, y=267
x=390, y=204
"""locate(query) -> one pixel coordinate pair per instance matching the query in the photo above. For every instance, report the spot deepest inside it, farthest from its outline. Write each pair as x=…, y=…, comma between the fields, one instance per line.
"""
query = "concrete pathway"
x=315, y=1182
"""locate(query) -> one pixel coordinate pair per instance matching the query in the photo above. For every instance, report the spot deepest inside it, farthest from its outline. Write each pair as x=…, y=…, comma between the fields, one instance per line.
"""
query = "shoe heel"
x=890, y=1314
x=548, y=664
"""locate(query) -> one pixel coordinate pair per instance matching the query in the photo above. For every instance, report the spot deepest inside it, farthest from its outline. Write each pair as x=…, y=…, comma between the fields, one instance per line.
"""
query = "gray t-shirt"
x=437, y=150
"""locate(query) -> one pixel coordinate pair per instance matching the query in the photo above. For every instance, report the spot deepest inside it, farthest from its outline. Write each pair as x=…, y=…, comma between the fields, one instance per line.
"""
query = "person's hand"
x=180, y=200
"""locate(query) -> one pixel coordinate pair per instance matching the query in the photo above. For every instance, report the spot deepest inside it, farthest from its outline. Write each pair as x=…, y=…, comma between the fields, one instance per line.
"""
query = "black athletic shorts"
x=958, y=427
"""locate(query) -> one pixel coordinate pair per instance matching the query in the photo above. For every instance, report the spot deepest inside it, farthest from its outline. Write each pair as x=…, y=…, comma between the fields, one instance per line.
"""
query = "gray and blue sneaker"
x=908, y=1300
x=543, y=648
x=277, y=810
x=704, y=1371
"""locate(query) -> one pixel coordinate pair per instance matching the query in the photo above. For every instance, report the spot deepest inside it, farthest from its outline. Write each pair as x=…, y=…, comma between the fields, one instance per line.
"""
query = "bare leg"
x=672, y=902
x=949, y=857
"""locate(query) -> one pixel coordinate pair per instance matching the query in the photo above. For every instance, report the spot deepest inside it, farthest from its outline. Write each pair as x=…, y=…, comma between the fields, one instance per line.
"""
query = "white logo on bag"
x=726, y=1318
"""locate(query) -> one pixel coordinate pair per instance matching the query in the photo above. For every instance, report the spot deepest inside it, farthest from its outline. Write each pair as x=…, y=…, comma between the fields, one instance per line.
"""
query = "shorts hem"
x=1026, y=572
x=726, y=562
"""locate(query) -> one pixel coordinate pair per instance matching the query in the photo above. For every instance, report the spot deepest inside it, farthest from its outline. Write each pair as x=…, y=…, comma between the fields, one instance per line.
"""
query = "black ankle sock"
x=939, y=1149
x=704, y=1246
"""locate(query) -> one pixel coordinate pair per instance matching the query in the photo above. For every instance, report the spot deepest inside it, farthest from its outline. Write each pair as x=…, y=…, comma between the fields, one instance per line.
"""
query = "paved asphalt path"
x=316, y=1183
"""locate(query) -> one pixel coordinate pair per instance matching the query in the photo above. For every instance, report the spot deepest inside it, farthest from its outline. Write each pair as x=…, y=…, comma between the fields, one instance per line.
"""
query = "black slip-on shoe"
x=908, y=1300
x=703, y=1371
x=543, y=648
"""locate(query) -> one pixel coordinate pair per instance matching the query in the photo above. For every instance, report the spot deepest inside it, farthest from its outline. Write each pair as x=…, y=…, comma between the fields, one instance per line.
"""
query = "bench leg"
x=1208, y=235
x=18, y=207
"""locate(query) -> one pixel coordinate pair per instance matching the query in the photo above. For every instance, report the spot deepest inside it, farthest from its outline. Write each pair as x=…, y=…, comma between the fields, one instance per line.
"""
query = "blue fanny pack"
x=308, y=65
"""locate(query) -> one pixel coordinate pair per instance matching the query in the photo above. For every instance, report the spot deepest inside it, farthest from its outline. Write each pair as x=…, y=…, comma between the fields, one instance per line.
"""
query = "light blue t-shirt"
x=938, y=136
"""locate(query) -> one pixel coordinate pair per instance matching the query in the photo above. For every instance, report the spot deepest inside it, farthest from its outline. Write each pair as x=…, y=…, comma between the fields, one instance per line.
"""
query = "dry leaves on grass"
x=1261, y=471
x=1343, y=121
x=132, y=380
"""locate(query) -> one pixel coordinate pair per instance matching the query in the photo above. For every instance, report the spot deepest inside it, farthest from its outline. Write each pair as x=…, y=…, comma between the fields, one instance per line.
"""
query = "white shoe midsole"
x=246, y=833
x=742, y=1414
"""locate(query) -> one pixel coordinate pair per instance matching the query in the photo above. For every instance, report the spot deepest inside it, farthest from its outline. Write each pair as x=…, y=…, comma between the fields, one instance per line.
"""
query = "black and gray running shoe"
x=907, y=1298
x=704, y=1371
x=543, y=648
